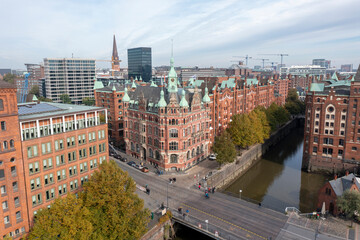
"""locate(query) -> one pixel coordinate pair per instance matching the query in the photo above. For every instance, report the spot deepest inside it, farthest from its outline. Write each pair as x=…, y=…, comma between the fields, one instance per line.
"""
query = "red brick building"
x=333, y=189
x=332, y=126
x=174, y=126
x=13, y=196
x=47, y=150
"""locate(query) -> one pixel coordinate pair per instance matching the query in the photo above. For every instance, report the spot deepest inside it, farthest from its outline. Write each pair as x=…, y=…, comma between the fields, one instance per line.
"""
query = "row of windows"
x=62, y=189
x=48, y=164
x=6, y=146
x=31, y=133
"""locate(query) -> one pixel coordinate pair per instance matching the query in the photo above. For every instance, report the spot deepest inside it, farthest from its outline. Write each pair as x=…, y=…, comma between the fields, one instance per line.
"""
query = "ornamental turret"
x=162, y=103
x=126, y=97
x=183, y=102
x=172, y=78
x=206, y=97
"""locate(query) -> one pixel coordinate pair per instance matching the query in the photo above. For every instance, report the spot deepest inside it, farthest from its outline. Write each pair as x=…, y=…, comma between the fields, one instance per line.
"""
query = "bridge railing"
x=292, y=209
x=201, y=225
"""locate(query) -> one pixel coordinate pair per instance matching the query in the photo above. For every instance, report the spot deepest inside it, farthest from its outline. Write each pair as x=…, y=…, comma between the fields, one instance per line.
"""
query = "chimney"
x=335, y=176
x=347, y=173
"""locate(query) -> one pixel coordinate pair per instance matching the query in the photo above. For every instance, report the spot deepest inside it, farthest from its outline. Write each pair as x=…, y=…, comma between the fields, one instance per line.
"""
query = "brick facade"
x=332, y=126
x=14, y=217
x=46, y=151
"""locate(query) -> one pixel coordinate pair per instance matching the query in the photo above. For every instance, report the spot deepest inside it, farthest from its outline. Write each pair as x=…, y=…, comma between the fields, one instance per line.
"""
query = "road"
x=229, y=215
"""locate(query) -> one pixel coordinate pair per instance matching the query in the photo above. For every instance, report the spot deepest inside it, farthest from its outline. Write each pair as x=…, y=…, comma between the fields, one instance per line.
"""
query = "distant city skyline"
x=205, y=33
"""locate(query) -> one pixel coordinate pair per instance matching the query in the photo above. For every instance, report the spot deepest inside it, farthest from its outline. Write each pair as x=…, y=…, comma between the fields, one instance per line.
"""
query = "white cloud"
x=205, y=32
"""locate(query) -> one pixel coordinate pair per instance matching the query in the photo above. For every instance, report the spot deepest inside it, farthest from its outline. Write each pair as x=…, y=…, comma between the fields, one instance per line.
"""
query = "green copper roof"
x=228, y=83
x=126, y=97
x=34, y=98
x=133, y=85
x=172, y=78
x=353, y=78
x=183, y=102
x=98, y=84
x=113, y=88
x=317, y=87
x=162, y=102
x=251, y=81
x=206, y=97
x=153, y=84
x=136, y=78
x=334, y=76
x=140, y=78
x=345, y=83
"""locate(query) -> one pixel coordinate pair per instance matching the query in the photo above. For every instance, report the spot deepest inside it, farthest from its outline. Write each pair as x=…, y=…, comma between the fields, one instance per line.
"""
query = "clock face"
x=172, y=80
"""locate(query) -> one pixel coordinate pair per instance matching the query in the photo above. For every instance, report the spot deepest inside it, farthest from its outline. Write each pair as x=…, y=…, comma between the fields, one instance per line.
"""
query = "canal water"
x=277, y=180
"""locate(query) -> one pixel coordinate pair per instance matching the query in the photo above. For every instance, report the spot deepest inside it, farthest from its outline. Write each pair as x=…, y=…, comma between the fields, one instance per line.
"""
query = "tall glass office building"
x=139, y=63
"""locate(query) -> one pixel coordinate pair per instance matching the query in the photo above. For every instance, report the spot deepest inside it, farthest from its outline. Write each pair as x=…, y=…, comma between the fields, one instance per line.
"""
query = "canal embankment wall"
x=230, y=172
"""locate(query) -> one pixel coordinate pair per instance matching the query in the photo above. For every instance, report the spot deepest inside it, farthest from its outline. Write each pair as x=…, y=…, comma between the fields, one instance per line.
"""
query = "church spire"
x=115, y=64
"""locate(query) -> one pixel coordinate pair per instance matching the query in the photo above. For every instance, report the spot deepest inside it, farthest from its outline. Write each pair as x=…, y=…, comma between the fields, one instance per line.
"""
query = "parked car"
x=131, y=163
x=212, y=157
x=123, y=159
x=145, y=169
x=136, y=166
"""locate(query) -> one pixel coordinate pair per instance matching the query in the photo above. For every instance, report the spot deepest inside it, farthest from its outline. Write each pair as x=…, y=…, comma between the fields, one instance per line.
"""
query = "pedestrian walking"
x=199, y=186
x=213, y=190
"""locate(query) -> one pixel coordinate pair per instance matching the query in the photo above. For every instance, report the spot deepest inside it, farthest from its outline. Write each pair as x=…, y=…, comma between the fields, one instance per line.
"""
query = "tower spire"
x=115, y=63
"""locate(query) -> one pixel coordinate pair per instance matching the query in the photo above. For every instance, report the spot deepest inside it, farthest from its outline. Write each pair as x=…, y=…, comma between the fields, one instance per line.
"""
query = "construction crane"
x=263, y=60
x=24, y=89
x=238, y=62
x=272, y=63
x=246, y=58
x=278, y=54
x=112, y=64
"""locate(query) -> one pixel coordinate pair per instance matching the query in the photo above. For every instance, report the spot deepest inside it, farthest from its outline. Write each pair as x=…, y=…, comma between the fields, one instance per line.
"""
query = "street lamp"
x=207, y=222
x=240, y=191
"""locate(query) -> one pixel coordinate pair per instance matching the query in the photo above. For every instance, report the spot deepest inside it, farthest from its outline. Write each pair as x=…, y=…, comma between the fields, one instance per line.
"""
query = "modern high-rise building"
x=71, y=76
x=303, y=70
x=346, y=68
x=322, y=62
x=139, y=63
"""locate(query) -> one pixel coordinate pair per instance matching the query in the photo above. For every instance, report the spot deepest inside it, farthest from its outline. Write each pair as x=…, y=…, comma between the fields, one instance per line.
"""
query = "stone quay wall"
x=230, y=172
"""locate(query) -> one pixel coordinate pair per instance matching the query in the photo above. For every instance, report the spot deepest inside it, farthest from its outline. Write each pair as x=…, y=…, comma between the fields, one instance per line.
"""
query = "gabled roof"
x=344, y=183
x=4, y=84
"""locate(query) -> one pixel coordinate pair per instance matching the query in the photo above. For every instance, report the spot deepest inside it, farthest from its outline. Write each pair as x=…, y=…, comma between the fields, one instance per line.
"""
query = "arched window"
x=12, y=144
x=173, y=133
x=1, y=105
x=173, y=122
x=157, y=155
x=6, y=145
x=132, y=146
x=188, y=155
x=173, y=158
x=193, y=152
x=137, y=148
x=151, y=153
x=202, y=148
x=173, y=146
x=198, y=150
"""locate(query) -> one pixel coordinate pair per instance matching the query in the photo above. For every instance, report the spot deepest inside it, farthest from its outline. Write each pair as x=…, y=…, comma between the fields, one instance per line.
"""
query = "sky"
x=205, y=32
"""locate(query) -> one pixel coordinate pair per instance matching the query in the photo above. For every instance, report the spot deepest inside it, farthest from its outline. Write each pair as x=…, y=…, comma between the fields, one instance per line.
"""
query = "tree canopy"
x=224, y=148
x=65, y=98
x=108, y=208
x=293, y=105
x=35, y=90
x=44, y=99
x=88, y=101
x=67, y=218
x=349, y=203
x=10, y=78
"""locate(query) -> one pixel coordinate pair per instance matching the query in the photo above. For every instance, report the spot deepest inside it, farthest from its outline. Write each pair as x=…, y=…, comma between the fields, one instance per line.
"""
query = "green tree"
x=65, y=98
x=35, y=90
x=349, y=203
x=293, y=105
x=10, y=78
x=276, y=116
x=66, y=219
x=224, y=148
x=88, y=101
x=257, y=128
x=116, y=211
x=43, y=99
x=260, y=112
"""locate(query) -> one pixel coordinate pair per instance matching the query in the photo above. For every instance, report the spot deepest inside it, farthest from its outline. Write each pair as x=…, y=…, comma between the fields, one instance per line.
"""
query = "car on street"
x=145, y=169
x=136, y=166
x=131, y=163
x=212, y=157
